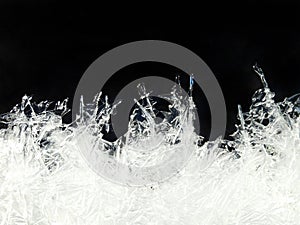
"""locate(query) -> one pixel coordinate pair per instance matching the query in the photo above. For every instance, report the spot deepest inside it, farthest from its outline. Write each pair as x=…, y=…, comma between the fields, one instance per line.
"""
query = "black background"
x=46, y=47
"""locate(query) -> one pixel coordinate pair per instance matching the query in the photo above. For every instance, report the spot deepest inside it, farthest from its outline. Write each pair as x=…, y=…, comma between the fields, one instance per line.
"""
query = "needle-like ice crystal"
x=253, y=179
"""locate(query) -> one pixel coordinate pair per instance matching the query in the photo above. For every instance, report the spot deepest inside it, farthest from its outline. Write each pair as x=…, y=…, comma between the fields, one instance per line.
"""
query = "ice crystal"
x=253, y=179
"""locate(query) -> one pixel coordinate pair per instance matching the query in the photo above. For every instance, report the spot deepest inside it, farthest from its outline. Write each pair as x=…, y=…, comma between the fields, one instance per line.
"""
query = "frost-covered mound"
x=254, y=179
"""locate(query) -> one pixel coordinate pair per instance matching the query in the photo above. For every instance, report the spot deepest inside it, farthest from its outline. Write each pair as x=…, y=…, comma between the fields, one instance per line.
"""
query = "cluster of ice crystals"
x=253, y=179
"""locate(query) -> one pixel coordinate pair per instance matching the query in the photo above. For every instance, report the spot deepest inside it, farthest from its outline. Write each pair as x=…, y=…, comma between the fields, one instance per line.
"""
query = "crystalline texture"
x=253, y=179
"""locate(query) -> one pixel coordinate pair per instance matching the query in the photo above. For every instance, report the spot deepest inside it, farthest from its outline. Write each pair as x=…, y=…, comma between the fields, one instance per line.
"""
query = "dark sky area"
x=46, y=47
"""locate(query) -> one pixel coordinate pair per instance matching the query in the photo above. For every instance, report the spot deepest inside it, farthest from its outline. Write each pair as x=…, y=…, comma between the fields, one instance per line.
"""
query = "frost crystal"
x=253, y=179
